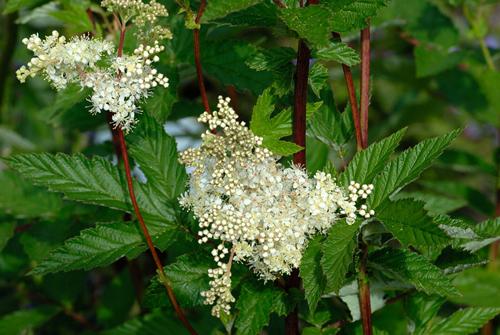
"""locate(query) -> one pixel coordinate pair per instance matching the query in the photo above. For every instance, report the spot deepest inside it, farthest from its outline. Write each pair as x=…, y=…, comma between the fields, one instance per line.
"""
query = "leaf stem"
x=365, y=84
x=487, y=55
x=197, y=57
x=363, y=283
x=118, y=132
x=352, y=100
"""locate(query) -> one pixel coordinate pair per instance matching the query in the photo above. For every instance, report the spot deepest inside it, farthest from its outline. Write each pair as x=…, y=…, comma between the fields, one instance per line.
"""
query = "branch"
x=279, y=3
x=118, y=133
x=352, y=100
x=364, y=292
x=197, y=57
x=365, y=84
x=7, y=51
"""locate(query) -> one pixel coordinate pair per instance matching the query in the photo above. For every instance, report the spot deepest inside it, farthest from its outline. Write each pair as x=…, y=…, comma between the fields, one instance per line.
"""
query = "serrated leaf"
x=156, y=153
x=26, y=320
x=463, y=322
x=101, y=245
x=338, y=250
x=273, y=59
x=367, y=163
x=95, y=181
x=421, y=308
x=413, y=268
x=338, y=52
x=330, y=127
x=159, y=104
x=313, y=279
x=407, y=166
x=318, y=75
x=255, y=305
x=408, y=221
x=435, y=204
x=352, y=14
x=188, y=276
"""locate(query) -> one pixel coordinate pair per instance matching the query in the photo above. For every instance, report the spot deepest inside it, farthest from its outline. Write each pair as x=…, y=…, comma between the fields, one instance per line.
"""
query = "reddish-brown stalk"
x=364, y=101
x=118, y=133
x=352, y=100
x=279, y=3
x=299, y=138
x=197, y=57
x=364, y=287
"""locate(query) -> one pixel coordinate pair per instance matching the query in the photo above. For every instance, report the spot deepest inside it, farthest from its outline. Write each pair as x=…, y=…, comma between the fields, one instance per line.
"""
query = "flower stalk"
x=197, y=56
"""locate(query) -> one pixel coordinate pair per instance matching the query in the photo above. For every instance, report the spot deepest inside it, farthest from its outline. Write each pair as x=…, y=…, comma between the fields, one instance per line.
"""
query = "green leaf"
x=95, y=181
x=413, y=268
x=263, y=14
x=9, y=138
x=100, y=246
x=408, y=221
x=273, y=59
x=351, y=15
x=313, y=279
x=22, y=200
x=15, y=5
x=156, y=153
x=330, y=127
x=219, y=8
x=463, y=322
x=407, y=167
x=338, y=250
x=152, y=324
x=338, y=52
x=318, y=76
x=26, y=320
x=272, y=128
x=367, y=163
x=434, y=203
x=432, y=60
x=159, y=104
x=255, y=305
x=478, y=287
x=188, y=276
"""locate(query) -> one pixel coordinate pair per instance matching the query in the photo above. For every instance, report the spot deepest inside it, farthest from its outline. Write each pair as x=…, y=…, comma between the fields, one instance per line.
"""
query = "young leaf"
x=463, y=322
x=413, y=268
x=367, y=163
x=95, y=181
x=313, y=279
x=338, y=250
x=338, y=52
x=255, y=305
x=330, y=127
x=102, y=245
x=408, y=166
x=408, y=221
x=156, y=153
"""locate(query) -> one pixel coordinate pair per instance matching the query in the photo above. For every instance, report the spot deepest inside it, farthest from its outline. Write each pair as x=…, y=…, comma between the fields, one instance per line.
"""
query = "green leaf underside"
x=407, y=166
x=338, y=250
x=409, y=222
x=413, y=268
x=102, y=245
x=94, y=181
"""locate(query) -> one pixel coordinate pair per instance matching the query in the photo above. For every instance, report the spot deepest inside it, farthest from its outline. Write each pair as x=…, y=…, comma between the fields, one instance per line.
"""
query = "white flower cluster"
x=117, y=87
x=241, y=195
x=144, y=15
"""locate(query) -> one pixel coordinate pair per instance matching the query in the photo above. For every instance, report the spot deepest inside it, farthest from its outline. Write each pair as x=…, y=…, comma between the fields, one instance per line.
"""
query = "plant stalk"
x=197, y=57
x=365, y=84
x=352, y=100
x=118, y=133
x=7, y=52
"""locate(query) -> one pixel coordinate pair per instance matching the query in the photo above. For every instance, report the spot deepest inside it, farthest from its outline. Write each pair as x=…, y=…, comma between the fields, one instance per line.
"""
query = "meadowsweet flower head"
x=118, y=83
x=242, y=196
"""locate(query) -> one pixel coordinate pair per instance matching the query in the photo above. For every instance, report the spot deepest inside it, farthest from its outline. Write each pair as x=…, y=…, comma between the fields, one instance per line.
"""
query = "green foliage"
x=151, y=324
x=102, y=245
x=463, y=322
x=338, y=52
x=413, y=268
x=314, y=280
x=408, y=166
x=219, y=8
x=255, y=304
x=330, y=127
x=478, y=287
x=26, y=320
x=95, y=181
x=338, y=250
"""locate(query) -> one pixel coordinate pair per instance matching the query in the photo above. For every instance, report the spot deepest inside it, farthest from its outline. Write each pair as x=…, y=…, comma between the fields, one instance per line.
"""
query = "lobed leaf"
x=338, y=52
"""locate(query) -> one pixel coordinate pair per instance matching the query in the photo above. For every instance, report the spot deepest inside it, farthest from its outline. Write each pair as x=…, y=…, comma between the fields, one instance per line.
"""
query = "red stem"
x=118, y=133
x=352, y=99
x=364, y=286
x=197, y=57
x=279, y=3
x=365, y=84
x=299, y=138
